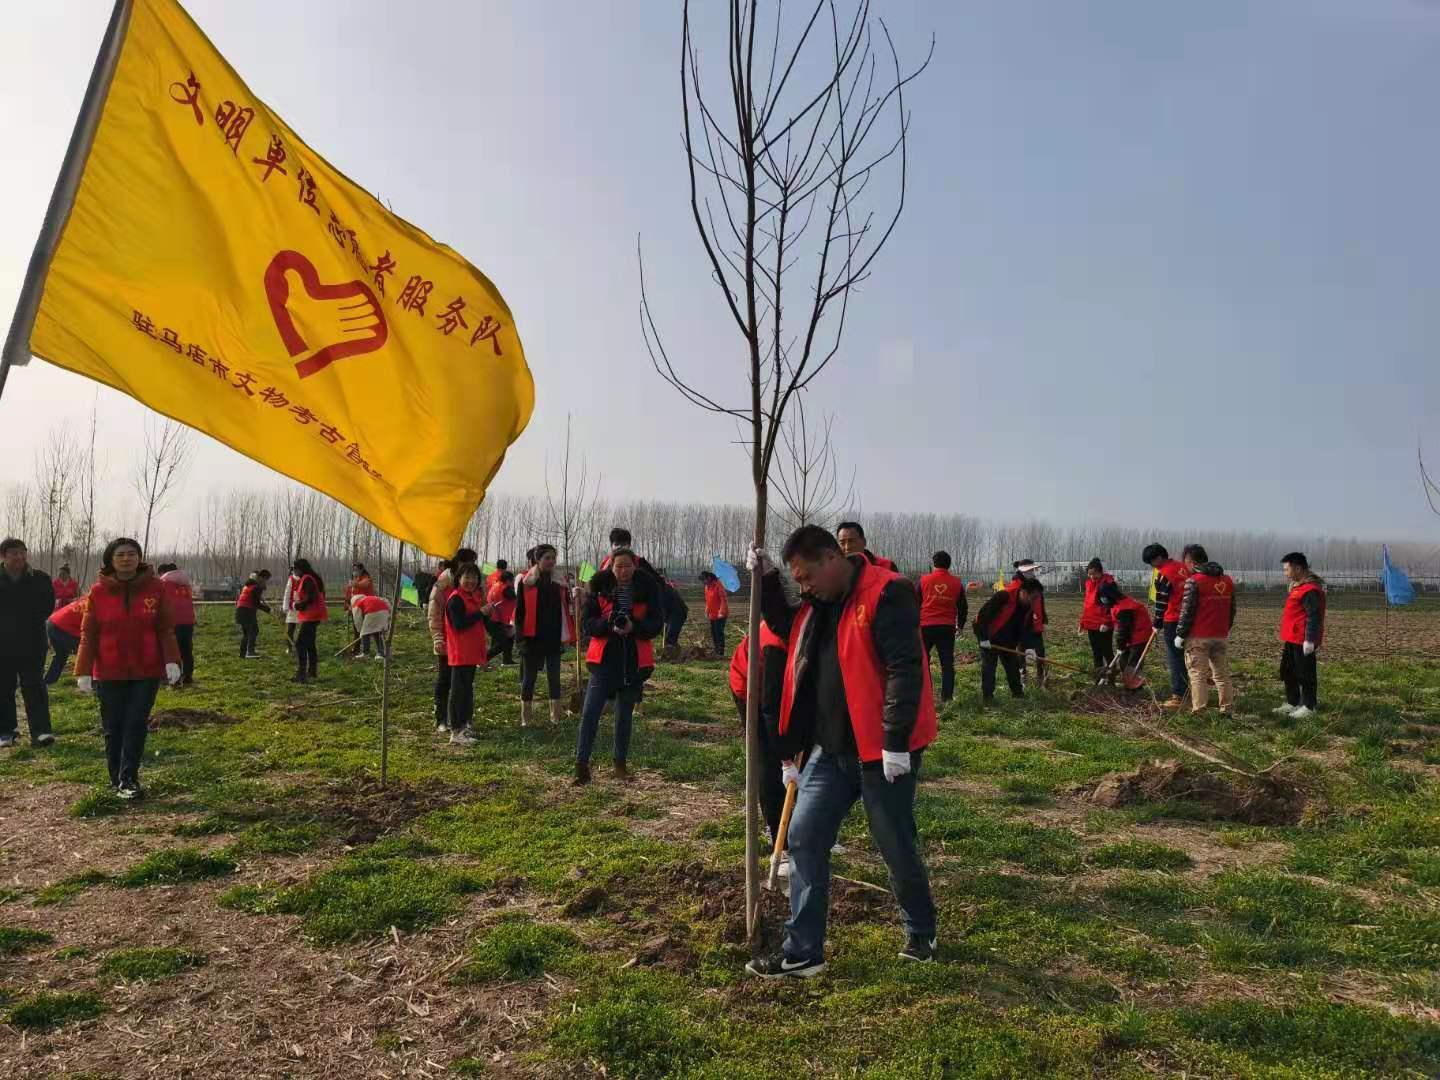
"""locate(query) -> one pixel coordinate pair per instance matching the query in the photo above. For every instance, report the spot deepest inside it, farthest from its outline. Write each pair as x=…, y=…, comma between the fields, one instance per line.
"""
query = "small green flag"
x=586, y=571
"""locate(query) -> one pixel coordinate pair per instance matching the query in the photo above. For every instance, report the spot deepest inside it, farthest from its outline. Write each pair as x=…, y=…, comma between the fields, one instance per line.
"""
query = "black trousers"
x=185, y=638
x=530, y=665
x=1102, y=646
x=124, y=714
x=307, y=652
x=942, y=638
x=502, y=640
x=249, y=625
x=462, y=696
x=442, y=690
x=29, y=676
x=1301, y=675
x=674, y=623
x=772, y=788
x=988, y=659
x=717, y=636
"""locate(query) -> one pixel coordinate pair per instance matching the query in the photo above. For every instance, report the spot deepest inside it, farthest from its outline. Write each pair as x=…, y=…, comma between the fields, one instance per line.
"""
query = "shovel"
x=782, y=833
x=1132, y=679
x=1038, y=659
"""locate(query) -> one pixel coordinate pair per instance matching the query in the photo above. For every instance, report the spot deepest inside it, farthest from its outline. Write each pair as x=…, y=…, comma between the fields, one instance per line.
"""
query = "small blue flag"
x=1398, y=589
x=728, y=575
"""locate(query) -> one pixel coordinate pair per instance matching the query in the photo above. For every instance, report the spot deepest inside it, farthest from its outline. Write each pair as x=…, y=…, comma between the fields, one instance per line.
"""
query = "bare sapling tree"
x=57, y=467
x=162, y=467
x=1432, y=491
x=20, y=503
x=85, y=527
x=807, y=475
x=780, y=193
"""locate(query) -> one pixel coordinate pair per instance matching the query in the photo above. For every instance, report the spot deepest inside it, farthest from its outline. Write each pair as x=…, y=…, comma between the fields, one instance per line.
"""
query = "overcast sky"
x=1161, y=262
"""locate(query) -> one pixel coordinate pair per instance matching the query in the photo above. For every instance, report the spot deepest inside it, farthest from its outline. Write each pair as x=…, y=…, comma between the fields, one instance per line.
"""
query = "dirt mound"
x=185, y=719
x=1259, y=800
x=368, y=811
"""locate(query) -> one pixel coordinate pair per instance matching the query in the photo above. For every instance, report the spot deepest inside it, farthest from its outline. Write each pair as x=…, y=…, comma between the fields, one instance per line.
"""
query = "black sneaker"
x=919, y=949
x=780, y=966
x=44, y=740
x=129, y=789
x=7, y=740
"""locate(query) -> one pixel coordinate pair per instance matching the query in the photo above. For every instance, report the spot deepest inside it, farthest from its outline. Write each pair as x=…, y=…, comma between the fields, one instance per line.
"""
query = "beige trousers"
x=1208, y=659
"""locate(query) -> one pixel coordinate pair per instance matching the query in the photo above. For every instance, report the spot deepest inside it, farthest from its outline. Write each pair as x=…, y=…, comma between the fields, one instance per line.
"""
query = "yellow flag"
x=1154, y=577
x=219, y=270
x=1000, y=581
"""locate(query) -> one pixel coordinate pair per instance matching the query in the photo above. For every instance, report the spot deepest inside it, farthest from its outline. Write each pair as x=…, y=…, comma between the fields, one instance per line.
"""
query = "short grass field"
x=271, y=911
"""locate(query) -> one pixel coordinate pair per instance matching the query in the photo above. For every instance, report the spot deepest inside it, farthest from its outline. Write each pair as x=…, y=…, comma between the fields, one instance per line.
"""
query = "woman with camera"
x=623, y=613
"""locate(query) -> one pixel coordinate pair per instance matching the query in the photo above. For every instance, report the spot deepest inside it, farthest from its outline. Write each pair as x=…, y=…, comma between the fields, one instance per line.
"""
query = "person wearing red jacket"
x=66, y=587
x=1207, y=613
x=1170, y=575
x=250, y=601
x=500, y=595
x=857, y=689
x=772, y=684
x=717, y=610
x=63, y=630
x=1302, y=631
x=182, y=608
x=371, y=616
x=127, y=645
x=1094, y=619
x=1133, y=627
x=543, y=625
x=943, y=610
x=852, y=542
x=1032, y=631
x=466, y=648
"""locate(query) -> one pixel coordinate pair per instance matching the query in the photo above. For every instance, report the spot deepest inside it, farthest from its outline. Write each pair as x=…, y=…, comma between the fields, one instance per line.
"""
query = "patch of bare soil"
x=368, y=811
x=188, y=719
x=1253, y=800
x=688, y=729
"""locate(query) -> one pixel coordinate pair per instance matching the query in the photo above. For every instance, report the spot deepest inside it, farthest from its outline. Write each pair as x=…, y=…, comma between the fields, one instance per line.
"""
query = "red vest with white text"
x=940, y=593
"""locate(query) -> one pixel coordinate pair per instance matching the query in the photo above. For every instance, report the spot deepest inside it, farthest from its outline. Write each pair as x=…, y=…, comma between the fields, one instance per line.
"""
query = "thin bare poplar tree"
x=57, y=465
x=779, y=193
x=1432, y=491
x=807, y=475
x=162, y=467
x=85, y=526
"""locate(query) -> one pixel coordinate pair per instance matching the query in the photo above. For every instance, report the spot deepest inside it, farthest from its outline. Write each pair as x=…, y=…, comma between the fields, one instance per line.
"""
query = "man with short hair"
x=1302, y=630
x=857, y=694
x=1207, y=614
x=1001, y=621
x=852, y=542
x=26, y=601
x=943, y=609
x=1170, y=575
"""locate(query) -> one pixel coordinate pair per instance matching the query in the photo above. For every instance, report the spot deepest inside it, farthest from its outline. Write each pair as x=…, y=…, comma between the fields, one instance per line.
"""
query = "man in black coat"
x=27, y=599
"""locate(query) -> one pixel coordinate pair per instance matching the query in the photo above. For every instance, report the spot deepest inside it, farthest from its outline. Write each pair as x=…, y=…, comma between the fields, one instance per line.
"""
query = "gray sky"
x=1160, y=263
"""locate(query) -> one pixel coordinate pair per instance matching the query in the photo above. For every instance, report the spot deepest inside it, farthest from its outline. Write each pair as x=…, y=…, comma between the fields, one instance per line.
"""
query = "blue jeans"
x=125, y=714
x=597, y=693
x=63, y=645
x=1179, y=677
x=829, y=787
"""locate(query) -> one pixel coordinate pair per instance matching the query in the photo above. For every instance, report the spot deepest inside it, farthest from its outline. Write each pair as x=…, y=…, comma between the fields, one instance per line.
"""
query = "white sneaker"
x=462, y=738
x=783, y=870
x=1302, y=713
x=1284, y=710
x=838, y=849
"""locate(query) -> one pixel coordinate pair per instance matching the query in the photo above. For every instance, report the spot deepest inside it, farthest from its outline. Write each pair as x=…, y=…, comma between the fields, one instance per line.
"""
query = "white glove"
x=84, y=684
x=172, y=674
x=985, y=644
x=756, y=559
x=1309, y=648
x=1031, y=656
x=896, y=764
x=789, y=774
x=1179, y=642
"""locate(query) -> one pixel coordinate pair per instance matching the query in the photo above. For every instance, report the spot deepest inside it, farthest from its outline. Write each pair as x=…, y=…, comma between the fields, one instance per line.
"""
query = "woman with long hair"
x=466, y=648
x=541, y=629
x=310, y=612
x=127, y=645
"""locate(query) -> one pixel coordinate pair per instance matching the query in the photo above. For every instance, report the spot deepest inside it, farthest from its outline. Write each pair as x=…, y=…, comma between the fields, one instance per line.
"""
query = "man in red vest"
x=943, y=609
x=1001, y=621
x=1207, y=612
x=852, y=542
x=857, y=695
x=1170, y=575
x=1302, y=629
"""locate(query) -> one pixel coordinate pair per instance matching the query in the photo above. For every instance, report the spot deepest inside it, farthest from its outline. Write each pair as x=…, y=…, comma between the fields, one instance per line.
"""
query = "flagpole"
x=72, y=168
x=389, y=659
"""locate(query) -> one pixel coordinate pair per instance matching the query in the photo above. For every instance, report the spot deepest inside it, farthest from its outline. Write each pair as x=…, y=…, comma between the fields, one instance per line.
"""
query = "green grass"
x=175, y=867
x=518, y=948
x=70, y=887
x=1140, y=855
x=149, y=964
x=46, y=1011
x=15, y=940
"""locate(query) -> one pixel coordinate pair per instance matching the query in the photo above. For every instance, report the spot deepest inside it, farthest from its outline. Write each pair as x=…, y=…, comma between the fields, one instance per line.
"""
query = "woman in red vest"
x=371, y=616
x=623, y=612
x=542, y=626
x=1133, y=627
x=127, y=645
x=182, y=607
x=66, y=587
x=310, y=612
x=1095, y=620
x=63, y=630
x=466, y=648
x=247, y=605
x=1302, y=630
x=501, y=597
x=717, y=610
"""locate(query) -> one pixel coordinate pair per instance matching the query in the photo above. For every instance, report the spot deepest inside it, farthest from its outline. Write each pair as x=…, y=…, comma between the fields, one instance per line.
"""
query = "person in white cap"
x=1032, y=635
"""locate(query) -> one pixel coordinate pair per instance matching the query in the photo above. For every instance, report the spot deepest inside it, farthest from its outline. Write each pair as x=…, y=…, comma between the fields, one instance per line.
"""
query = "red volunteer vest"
x=466, y=648
x=1093, y=615
x=1037, y=606
x=882, y=562
x=740, y=659
x=1292, y=618
x=532, y=610
x=129, y=644
x=504, y=609
x=316, y=612
x=491, y=578
x=1007, y=611
x=940, y=593
x=1175, y=573
x=247, y=598
x=1143, y=625
x=182, y=602
x=369, y=605
x=645, y=651
x=717, y=604
x=69, y=618
x=65, y=591
x=1212, y=615
x=860, y=671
